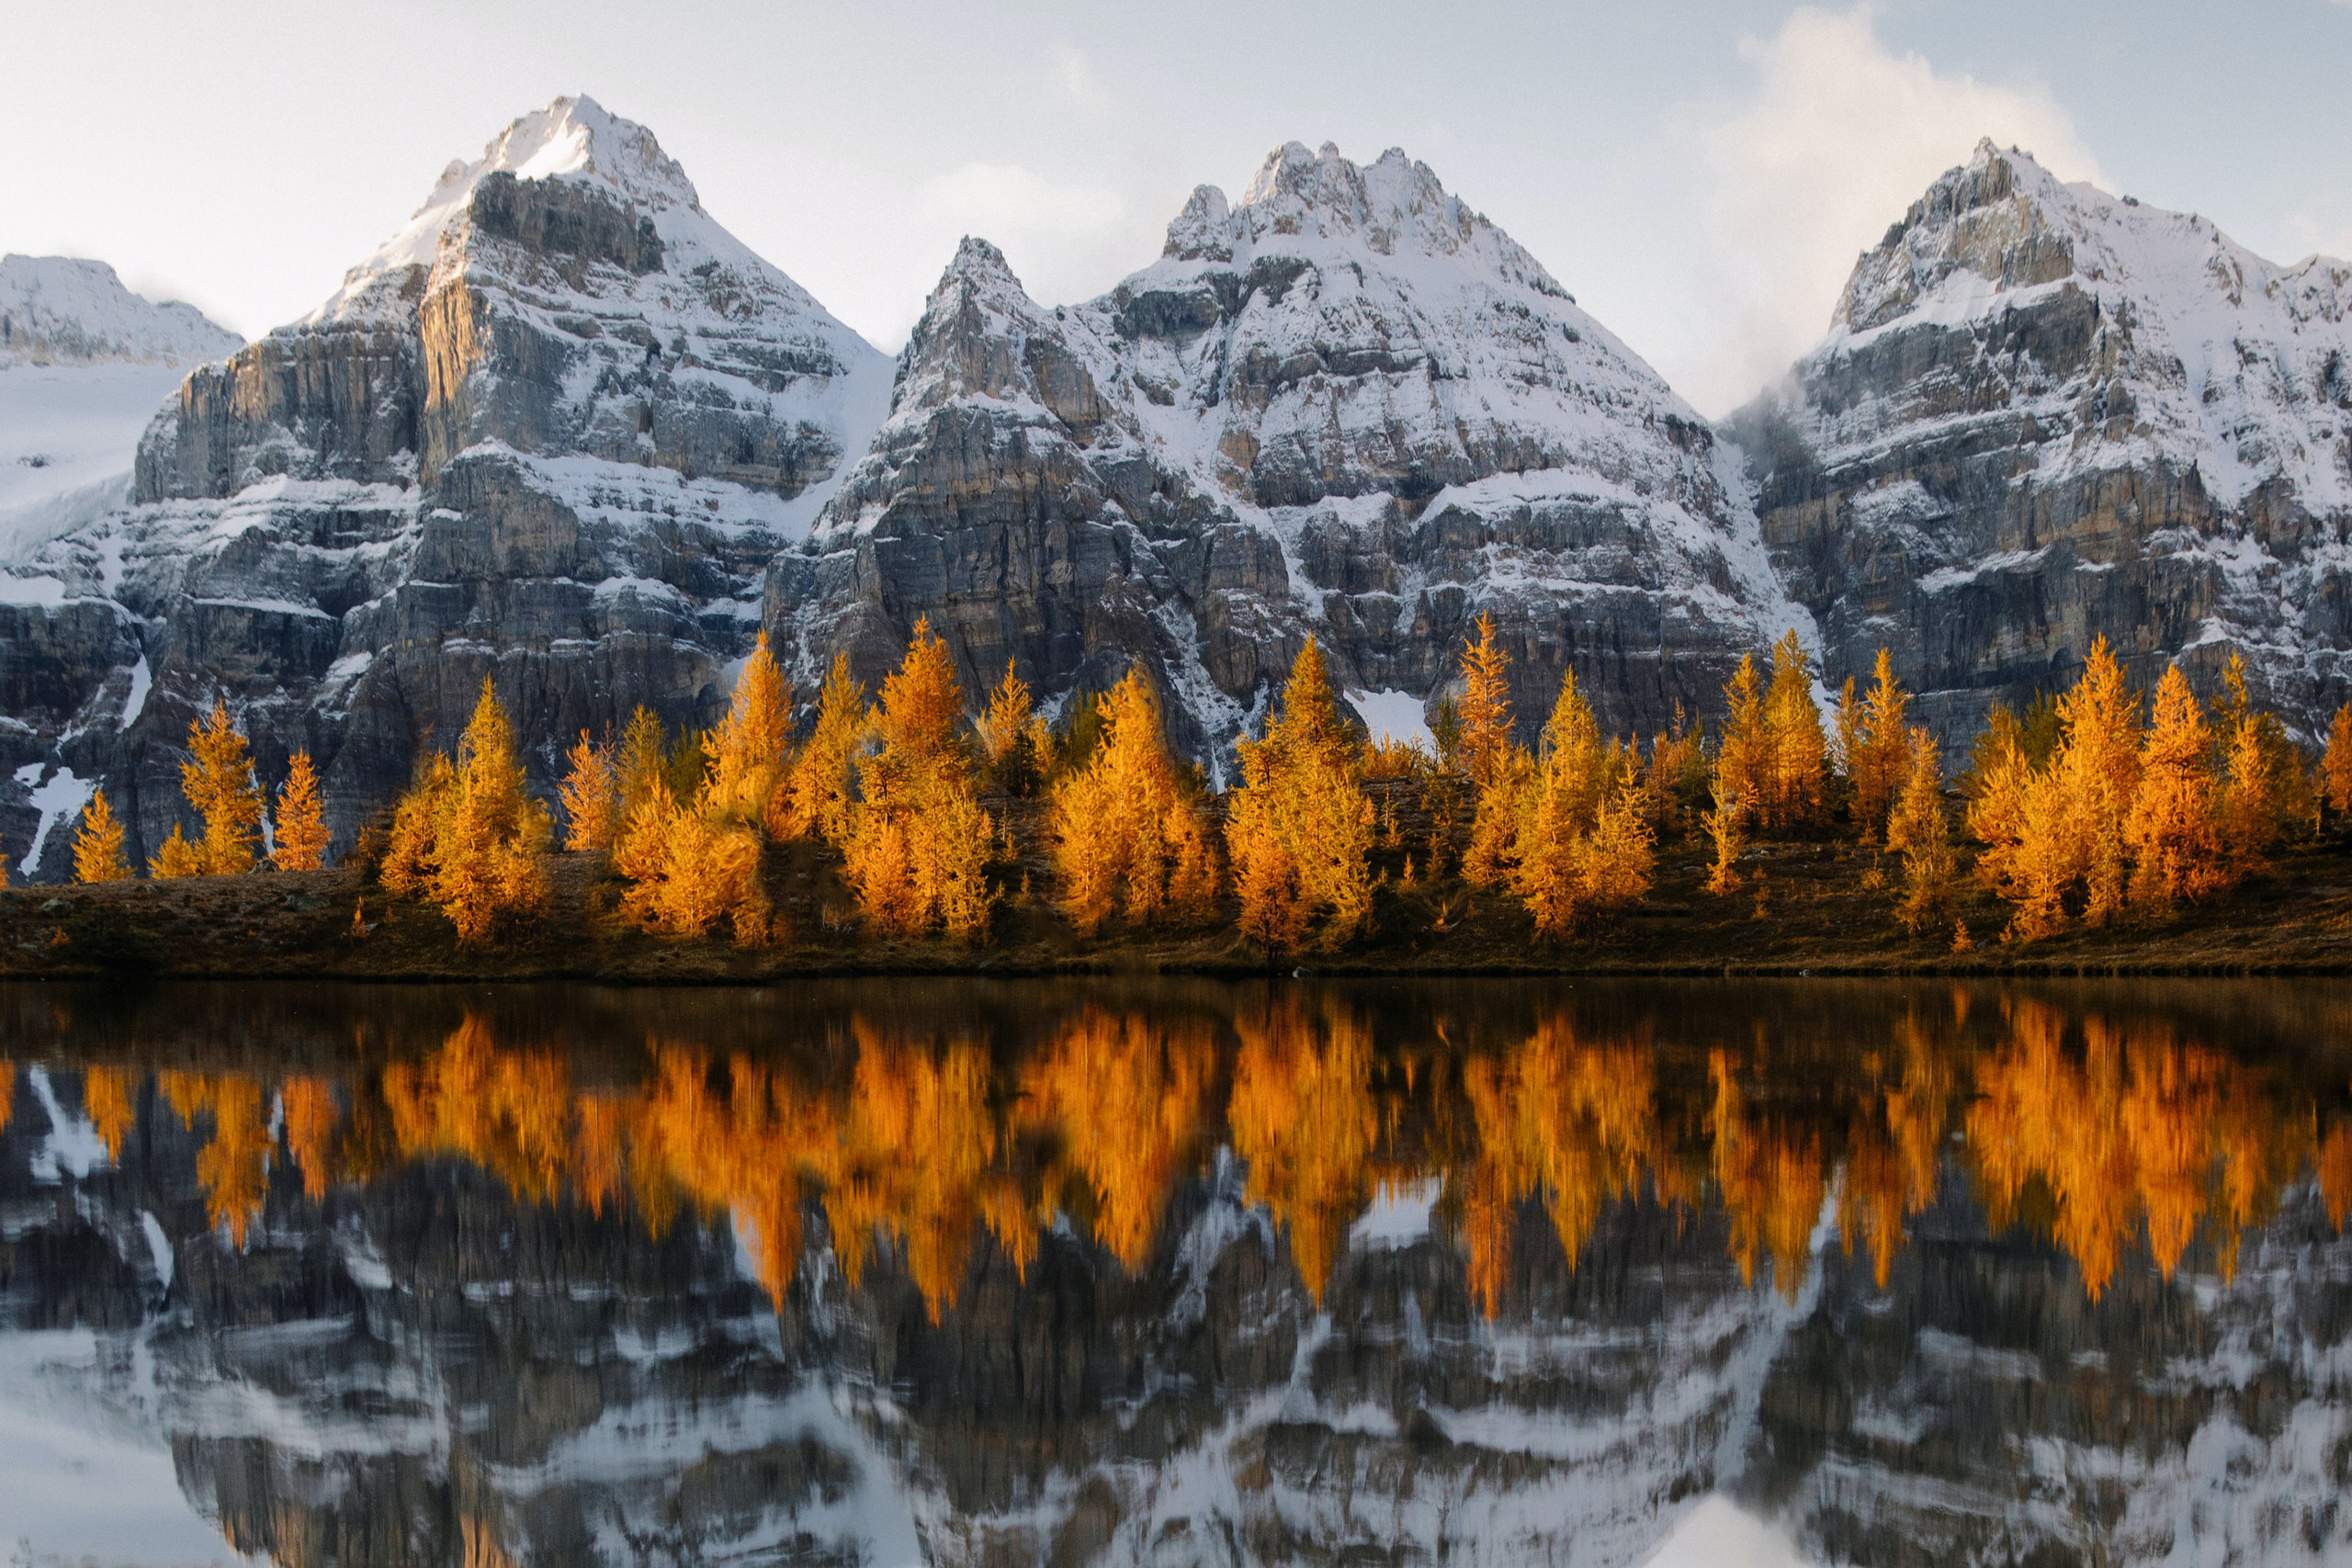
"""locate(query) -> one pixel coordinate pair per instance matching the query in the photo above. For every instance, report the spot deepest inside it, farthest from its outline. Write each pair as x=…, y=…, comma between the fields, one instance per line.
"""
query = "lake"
x=1176, y=1272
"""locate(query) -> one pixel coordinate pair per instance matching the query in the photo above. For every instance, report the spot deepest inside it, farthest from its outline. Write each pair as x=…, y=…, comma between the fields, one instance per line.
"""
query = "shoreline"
x=1818, y=919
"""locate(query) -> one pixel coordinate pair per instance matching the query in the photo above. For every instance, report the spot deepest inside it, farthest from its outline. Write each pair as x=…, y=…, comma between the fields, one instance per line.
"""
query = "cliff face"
x=2045, y=414
x=1348, y=407
x=552, y=430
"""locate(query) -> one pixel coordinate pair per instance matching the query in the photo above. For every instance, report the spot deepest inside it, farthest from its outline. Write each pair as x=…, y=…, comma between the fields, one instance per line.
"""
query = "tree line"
x=2088, y=807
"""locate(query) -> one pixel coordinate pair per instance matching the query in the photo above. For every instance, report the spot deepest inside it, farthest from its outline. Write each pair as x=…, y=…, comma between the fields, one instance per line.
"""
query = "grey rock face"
x=2045, y=416
x=1349, y=408
x=552, y=432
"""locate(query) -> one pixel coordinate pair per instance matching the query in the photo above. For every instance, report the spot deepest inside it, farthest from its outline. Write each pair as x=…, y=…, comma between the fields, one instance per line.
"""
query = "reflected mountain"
x=1182, y=1272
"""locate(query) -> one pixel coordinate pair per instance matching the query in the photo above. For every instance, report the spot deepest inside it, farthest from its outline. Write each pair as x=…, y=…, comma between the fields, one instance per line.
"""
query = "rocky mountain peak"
x=2000, y=216
x=69, y=310
x=574, y=142
x=980, y=336
x=2045, y=413
x=1318, y=204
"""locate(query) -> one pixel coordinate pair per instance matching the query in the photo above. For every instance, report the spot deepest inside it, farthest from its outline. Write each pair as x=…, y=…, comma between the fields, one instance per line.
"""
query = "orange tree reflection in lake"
x=2114, y=1134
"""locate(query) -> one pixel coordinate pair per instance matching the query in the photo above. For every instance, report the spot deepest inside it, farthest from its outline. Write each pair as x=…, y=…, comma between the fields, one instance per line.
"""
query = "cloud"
x=1838, y=136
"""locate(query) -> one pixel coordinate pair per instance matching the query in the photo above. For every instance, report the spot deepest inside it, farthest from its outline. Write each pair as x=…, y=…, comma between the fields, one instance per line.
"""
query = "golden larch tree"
x=2058, y=828
x=2173, y=828
x=1744, y=754
x=468, y=834
x=746, y=751
x=1123, y=833
x=1010, y=736
x=820, y=793
x=1483, y=721
x=1582, y=842
x=97, y=849
x=2336, y=764
x=1918, y=830
x=917, y=841
x=217, y=780
x=590, y=809
x=1880, y=755
x=176, y=858
x=2268, y=789
x=300, y=841
x=1797, y=748
x=1298, y=831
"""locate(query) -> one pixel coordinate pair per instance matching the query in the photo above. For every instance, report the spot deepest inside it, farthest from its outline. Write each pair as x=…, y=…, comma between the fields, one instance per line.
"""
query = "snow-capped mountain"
x=555, y=428
x=2045, y=413
x=83, y=365
x=64, y=310
x=1348, y=406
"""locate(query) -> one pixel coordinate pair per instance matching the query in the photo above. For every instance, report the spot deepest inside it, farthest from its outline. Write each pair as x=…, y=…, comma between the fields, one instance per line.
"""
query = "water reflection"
x=1184, y=1272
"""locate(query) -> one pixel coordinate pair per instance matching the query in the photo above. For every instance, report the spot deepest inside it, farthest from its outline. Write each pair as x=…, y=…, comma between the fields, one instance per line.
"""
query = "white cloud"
x=1838, y=137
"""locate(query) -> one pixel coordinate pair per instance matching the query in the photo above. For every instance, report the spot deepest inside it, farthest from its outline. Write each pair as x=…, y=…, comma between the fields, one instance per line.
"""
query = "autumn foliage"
x=97, y=849
x=217, y=780
x=467, y=836
x=1127, y=837
x=1299, y=830
x=299, y=840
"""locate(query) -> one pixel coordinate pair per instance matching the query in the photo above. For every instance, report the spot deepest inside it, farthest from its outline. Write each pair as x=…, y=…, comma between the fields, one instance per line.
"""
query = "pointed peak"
x=2001, y=216
x=577, y=138
x=1201, y=231
x=574, y=139
x=975, y=257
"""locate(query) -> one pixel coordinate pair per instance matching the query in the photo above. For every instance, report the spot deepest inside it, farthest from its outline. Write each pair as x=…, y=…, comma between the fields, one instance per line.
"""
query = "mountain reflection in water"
x=1184, y=1272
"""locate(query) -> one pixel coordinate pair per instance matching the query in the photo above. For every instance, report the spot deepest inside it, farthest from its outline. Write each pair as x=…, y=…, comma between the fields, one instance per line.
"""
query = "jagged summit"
x=2045, y=413
x=1348, y=406
x=2233, y=364
x=70, y=310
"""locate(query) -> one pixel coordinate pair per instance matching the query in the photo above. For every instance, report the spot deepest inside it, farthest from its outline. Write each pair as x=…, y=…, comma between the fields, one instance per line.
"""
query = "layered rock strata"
x=553, y=431
x=1347, y=407
x=2044, y=414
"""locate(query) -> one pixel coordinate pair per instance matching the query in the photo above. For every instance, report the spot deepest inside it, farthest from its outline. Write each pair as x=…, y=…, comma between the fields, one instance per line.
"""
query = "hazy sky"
x=1699, y=176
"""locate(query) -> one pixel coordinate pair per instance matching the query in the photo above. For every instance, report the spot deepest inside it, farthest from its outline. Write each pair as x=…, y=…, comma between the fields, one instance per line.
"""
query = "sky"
x=1699, y=176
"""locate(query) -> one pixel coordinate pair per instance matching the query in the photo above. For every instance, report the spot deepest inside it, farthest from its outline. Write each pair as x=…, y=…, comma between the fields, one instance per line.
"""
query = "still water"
x=1175, y=1271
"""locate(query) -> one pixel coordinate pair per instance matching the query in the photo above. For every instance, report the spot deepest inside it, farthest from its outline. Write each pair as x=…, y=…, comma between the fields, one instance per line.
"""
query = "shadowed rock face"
x=423, y=1302
x=2043, y=416
x=552, y=431
x=1350, y=408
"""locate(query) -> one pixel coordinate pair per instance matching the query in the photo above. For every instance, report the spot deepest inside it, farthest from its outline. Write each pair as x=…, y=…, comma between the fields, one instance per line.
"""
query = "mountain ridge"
x=563, y=428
